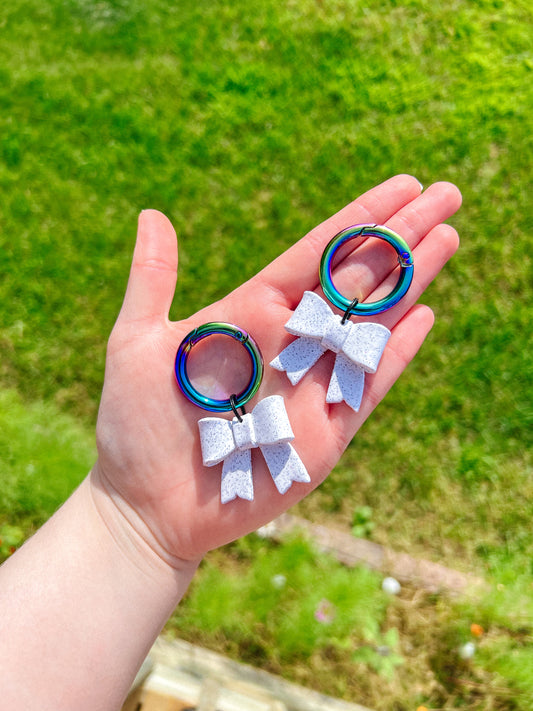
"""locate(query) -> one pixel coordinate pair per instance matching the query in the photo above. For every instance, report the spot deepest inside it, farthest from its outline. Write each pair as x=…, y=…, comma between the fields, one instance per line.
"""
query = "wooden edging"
x=208, y=681
x=194, y=674
x=351, y=551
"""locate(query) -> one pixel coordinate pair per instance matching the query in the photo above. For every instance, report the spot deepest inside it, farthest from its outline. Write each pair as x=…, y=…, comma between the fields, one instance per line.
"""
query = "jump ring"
x=182, y=377
x=405, y=259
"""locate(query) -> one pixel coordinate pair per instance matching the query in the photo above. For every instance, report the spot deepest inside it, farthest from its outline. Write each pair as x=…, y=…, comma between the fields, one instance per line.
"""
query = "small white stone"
x=467, y=650
x=267, y=531
x=391, y=586
x=279, y=581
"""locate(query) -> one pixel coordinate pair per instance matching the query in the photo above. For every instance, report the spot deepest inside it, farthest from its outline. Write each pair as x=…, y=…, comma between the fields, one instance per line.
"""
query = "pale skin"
x=83, y=600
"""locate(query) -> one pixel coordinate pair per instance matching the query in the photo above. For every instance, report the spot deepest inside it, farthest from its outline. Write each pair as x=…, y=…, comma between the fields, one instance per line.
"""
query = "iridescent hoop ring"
x=405, y=259
x=190, y=392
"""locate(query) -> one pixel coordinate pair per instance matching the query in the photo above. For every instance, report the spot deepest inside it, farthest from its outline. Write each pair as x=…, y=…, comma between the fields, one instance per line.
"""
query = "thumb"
x=153, y=273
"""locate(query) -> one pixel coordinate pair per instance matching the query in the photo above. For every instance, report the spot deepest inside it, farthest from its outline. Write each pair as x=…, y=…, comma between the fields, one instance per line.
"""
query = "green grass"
x=259, y=602
x=45, y=455
x=256, y=605
x=248, y=123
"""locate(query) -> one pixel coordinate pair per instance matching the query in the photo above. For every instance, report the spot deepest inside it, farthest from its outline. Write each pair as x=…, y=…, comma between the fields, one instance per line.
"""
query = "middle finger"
x=359, y=273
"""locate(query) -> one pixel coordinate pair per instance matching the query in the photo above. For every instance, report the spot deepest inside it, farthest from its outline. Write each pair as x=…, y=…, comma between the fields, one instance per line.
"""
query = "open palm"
x=148, y=441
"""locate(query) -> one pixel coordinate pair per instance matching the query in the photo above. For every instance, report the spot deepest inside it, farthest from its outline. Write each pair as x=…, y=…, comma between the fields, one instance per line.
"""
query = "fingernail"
x=146, y=217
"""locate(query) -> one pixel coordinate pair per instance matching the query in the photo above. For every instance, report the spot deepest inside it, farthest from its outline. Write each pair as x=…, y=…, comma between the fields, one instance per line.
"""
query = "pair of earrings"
x=358, y=347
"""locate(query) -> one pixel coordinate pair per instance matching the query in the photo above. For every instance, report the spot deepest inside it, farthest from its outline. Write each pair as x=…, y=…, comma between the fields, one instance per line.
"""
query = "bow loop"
x=335, y=334
x=243, y=432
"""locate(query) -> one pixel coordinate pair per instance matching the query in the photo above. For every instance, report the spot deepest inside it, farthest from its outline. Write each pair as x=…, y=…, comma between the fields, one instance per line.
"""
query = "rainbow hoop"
x=405, y=259
x=207, y=403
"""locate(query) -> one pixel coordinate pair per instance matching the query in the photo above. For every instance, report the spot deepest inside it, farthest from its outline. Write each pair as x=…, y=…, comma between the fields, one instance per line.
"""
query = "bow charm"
x=231, y=441
x=359, y=347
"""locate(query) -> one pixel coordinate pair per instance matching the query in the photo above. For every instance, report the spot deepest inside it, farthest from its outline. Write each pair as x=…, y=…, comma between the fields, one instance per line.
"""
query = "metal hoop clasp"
x=405, y=259
x=190, y=392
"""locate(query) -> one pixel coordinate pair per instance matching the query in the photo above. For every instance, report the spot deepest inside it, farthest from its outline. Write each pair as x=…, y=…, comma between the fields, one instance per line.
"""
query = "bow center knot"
x=244, y=432
x=335, y=334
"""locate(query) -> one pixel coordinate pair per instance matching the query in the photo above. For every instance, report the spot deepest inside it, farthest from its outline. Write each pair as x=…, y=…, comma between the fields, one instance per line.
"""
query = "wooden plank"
x=351, y=551
x=146, y=700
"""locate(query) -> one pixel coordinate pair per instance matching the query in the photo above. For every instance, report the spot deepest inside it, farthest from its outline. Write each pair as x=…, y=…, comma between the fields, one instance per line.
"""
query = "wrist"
x=133, y=538
x=100, y=596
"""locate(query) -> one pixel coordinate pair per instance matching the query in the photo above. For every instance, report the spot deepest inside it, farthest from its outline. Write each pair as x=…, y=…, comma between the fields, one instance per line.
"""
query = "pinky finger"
x=407, y=337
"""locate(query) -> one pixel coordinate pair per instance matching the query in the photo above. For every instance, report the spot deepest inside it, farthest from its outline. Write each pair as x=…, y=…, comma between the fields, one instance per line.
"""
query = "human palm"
x=149, y=450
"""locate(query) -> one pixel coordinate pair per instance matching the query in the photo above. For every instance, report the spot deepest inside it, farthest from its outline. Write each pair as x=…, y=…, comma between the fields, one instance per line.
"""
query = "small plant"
x=362, y=524
x=383, y=656
x=325, y=612
x=10, y=538
x=286, y=601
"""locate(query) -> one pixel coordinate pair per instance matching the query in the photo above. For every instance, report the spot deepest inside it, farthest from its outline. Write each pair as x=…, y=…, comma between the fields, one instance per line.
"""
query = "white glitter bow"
x=266, y=427
x=359, y=347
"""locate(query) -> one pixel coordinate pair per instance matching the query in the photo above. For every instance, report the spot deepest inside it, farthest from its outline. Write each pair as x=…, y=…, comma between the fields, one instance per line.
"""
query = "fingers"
x=297, y=269
x=430, y=256
x=153, y=273
x=363, y=269
x=404, y=343
x=407, y=337
x=376, y=205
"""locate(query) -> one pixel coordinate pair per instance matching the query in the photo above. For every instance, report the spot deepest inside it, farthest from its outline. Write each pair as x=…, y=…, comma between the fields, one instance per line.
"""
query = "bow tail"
x=285, y=465
x=347, y=383
x=299, y=357
x=237, y=477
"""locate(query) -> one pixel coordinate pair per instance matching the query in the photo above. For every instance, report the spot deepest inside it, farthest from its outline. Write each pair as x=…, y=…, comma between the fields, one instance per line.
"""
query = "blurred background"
x=248, y=123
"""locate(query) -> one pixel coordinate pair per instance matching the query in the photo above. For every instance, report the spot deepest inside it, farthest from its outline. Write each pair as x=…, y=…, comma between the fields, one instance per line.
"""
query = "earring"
x=358, y=346
x=231, y=441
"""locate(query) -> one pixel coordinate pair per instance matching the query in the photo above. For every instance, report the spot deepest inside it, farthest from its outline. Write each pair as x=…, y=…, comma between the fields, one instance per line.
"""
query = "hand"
x=150, y=462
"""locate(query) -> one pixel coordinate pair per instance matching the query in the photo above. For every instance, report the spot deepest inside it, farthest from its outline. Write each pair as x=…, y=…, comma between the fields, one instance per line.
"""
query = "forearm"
x=80, y=610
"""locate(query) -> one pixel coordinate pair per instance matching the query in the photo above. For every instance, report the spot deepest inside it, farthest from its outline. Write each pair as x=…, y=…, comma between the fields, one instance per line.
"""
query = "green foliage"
x=248, y=123
x=511, y=662
x=45, y=455
x=501, y=668
x=290, y=610
x=362, y=524
x=275, y=605
x=10, y=538
x=382, y=657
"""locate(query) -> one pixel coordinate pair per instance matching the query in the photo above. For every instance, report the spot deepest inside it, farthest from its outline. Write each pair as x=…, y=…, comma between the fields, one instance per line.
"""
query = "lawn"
x=248, y=123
